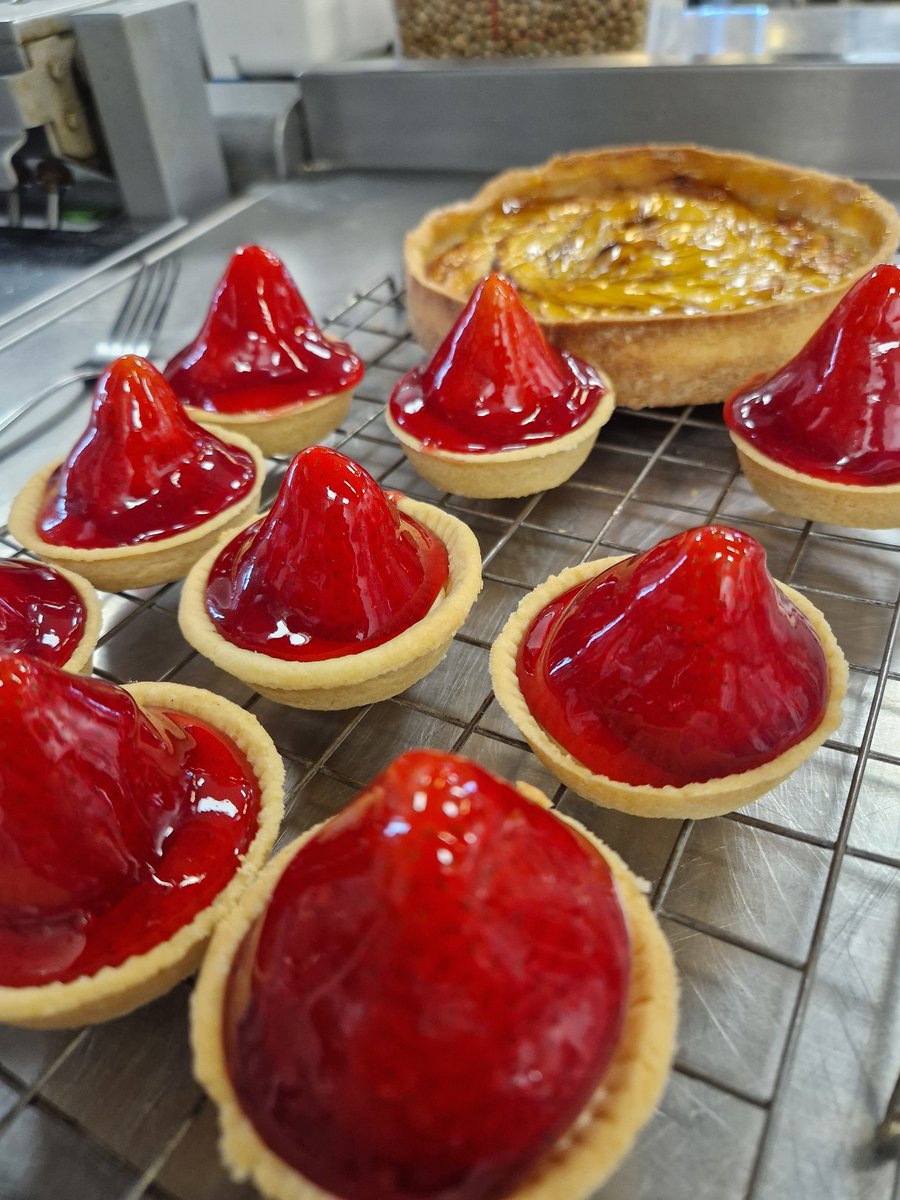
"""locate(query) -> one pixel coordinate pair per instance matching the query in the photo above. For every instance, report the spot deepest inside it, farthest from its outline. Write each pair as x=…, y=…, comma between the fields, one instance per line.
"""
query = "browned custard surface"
x=683, y=248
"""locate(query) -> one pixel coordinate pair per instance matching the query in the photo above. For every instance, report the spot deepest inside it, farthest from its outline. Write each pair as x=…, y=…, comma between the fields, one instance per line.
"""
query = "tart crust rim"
x=213, y=415
x=420, y=242
x=129, y=566
x=713, y=798
x=872, y=506
x=79, y=661
x=524, y=471
x=417, y=641
x=585, y=1155
x=601, y=415
x=667, y=359
x=113, y=991
x=281, y=430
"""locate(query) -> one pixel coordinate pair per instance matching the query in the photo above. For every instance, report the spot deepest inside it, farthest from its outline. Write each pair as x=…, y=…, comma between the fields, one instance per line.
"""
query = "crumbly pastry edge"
x=281, y=430
x=144, y=565
x=694, y=800
x=114, y=991
x=586, y=1154
x=507, y=473
x=352, y=671
x=670, y=359
x=786, y=490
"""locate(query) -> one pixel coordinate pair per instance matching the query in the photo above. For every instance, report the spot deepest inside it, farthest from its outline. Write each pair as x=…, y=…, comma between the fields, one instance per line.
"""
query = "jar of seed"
x=535, y=28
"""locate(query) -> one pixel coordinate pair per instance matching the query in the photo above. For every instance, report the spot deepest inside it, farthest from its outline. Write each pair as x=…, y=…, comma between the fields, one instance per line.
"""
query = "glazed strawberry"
x=676, y=666
x=117, y=825
x=41, y=613
x=334, y=568
x=434, y=991
x=142, y=470
x=259, y=347
x=495, y=383
x=834, y=411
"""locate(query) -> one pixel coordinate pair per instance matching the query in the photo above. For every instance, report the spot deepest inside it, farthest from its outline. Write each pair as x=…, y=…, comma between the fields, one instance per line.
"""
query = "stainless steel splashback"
x=419, y=116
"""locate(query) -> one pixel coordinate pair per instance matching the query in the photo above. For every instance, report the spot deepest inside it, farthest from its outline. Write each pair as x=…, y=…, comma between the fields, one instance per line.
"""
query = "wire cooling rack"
x=783, y=918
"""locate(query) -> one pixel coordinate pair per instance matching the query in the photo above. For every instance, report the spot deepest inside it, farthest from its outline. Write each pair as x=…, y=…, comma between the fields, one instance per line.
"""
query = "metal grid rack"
x=783, y=917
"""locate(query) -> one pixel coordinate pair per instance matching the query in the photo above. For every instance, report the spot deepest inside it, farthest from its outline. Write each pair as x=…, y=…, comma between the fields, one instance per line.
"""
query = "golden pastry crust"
x=583, y=1158
x=79, y=661
x=145, y=565
x=670, y=359
x=352, y=679
x=790, y=491
x=114, y=991
x=281, y=430
x=694, y=800
x=507, y=473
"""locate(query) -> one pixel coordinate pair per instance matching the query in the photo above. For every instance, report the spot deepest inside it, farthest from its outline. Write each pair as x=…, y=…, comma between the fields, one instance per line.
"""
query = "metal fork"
x=133, y=332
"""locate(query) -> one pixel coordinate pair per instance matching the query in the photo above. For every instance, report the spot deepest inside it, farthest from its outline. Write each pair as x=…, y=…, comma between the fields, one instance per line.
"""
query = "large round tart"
x=693, y=350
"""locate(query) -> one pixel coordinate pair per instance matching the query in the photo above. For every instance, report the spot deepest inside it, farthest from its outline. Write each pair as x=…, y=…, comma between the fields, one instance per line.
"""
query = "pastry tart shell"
x=352, y=679
x=694, y=800
x=281, y=430
x=506, y=473
x=113, y=568
x=81, y=658
x=786, y=490
x=669, y=359
x=583, y=1158
x=114, y=991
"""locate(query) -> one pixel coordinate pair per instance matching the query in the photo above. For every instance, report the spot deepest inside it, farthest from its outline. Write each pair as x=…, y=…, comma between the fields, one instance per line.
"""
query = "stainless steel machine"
x=784, y=917
x=104, y=105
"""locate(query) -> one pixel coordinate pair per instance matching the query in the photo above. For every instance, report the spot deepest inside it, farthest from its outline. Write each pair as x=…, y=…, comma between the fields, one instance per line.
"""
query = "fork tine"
x=147, y=299
x=163, y=299
x=133, y=301
x=133, y=331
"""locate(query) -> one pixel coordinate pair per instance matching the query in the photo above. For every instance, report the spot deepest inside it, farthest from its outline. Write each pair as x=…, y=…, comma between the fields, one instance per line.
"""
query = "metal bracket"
x=47, y=95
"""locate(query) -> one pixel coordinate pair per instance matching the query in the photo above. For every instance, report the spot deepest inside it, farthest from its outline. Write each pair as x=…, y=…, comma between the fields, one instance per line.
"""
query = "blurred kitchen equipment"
x=272, y=38
x=106, y=103
x=853, y=33
x=260, y=125
x=520, y=28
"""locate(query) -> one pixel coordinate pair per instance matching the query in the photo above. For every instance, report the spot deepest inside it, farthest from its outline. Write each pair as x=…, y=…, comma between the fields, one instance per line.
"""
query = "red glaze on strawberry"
x=495, y=383
x=334, y=568
x=434, y=991
x=40, y=612
x=117, y=825
x=260, y=348
x=679, y=665
x=834, y=411
x=142, y=470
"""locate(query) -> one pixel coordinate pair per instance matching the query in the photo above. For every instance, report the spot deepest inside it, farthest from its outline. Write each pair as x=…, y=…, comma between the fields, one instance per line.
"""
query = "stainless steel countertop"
x=788, y=949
